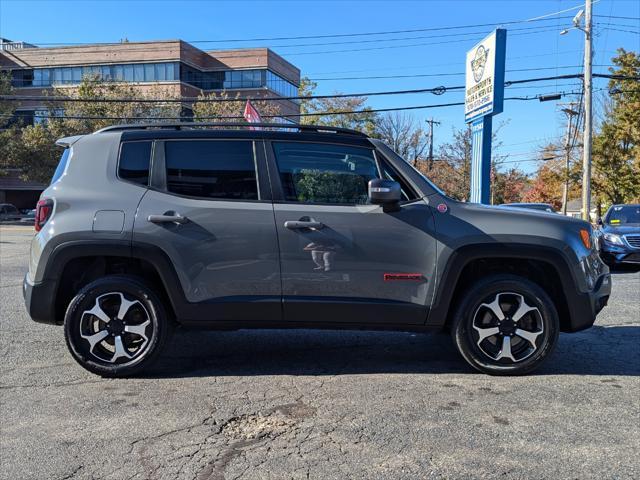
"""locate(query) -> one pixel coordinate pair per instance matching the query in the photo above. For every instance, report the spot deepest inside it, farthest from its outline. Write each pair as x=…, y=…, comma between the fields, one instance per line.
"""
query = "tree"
x=402, y=133
x=509, y=186
x=218, y=107
x=6, y=107
x=325, y=111
x=616, y=147
x=32, y=149
x=452, y=168
x=546, y=186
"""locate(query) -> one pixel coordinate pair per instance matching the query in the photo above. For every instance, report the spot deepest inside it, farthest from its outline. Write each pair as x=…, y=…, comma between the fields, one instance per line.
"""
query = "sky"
x=419, y=59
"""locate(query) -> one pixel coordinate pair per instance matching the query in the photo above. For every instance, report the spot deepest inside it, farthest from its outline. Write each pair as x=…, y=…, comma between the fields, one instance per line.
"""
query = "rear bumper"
x=584, y=307
x=39, y=299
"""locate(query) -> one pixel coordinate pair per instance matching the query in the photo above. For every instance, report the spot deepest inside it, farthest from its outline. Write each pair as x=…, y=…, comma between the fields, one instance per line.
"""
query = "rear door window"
x=135, y=158
x=212, y=169
x=62, y=165
x=325, y=173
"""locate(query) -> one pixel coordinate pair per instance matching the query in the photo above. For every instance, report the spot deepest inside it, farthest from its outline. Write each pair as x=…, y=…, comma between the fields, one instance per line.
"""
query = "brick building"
x=180, y=68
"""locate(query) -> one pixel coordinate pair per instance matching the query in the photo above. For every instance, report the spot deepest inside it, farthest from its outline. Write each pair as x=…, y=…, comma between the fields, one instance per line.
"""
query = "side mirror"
x=385, y=193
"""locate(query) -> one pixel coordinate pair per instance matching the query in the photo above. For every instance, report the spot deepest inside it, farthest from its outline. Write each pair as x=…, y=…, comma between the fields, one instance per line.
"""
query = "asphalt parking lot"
x=325, y=405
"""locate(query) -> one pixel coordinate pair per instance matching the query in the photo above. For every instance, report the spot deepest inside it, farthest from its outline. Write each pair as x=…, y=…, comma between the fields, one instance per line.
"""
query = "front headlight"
x=613, y=239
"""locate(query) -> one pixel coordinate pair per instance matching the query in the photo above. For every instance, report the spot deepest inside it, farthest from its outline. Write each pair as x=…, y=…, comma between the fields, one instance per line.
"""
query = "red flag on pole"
x=251, y=115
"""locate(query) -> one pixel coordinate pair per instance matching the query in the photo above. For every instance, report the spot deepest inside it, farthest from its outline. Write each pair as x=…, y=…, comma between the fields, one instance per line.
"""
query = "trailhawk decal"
x=403, y=276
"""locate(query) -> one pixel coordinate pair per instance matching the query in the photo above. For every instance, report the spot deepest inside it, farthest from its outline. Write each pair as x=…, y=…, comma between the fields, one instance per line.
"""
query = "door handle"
x=296, y=224
x=174, y=218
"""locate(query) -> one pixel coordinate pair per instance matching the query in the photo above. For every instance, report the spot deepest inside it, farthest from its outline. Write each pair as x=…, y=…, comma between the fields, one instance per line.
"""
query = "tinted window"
x=62, y=164
x=134, y=162
x=320, y=173
x=211, y=169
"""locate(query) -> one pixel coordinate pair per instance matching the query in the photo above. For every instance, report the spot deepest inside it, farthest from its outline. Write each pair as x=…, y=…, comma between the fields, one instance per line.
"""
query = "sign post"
x=484, y=97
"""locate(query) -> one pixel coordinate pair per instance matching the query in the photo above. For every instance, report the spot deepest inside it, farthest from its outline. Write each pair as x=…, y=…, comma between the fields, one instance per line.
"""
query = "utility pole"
x=588, y=118
x=567, y=147
x=431, y=122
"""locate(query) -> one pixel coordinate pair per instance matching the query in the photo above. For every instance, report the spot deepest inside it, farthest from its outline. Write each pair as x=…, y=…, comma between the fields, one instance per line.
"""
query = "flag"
x=251, y=115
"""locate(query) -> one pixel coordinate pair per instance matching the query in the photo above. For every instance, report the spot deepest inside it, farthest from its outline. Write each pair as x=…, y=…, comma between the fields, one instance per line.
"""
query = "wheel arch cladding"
x=545, y=266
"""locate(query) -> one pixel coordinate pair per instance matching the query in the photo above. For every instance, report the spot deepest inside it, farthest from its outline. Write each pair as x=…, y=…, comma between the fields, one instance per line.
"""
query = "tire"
x=507, y=346
x=107, y=342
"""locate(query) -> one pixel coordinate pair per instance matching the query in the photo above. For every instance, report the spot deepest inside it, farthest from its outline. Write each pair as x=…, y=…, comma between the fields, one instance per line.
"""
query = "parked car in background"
x=620, y=235
x=29, y=215
x=544, y=207
x=9, y=212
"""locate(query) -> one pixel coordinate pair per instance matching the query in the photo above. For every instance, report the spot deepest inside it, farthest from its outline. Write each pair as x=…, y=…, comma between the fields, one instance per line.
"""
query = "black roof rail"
x=181, y=125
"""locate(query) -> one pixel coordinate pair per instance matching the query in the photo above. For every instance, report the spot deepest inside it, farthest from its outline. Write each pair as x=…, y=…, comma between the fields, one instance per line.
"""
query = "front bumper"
x=40, y=300
x=584, y=307
x=616, y=255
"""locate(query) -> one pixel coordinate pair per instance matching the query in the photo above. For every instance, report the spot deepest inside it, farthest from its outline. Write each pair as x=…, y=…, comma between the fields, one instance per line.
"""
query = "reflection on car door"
x=342, y=259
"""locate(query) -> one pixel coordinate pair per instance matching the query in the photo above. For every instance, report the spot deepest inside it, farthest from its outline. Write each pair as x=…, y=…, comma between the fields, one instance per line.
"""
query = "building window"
x=22, y=78
x=156, y=72
x=128, y=73
x=279, y=85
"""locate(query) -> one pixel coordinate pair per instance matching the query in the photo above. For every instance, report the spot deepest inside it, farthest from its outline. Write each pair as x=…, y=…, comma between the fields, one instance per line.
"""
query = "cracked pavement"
x=316, y=404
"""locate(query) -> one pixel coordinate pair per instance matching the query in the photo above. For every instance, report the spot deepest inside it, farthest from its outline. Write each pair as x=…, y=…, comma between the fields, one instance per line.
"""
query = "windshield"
x=624, y=215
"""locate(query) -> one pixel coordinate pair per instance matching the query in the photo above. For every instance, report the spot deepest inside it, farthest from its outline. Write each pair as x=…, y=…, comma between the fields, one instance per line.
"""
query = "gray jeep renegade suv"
x=146, y=226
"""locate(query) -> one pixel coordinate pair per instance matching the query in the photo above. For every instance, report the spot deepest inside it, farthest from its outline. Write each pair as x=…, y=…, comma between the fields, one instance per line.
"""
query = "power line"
x=435, y=90
x=339, y=35
x=412, y=67
x=297, y=115
x=221, y=53
x=614, y=16
x=421, y=44
x=635, y=32
x=420, y=75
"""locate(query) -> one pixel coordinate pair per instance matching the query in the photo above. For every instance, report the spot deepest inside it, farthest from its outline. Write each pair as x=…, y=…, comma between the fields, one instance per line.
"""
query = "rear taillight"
x=44, y=208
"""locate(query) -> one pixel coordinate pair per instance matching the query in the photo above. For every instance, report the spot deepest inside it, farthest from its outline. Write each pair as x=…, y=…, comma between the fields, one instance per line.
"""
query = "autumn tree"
x=616, y=147
x=220, y=107
x=452, y=167
x=508, y=186
x=330, y=111
x=32, y=149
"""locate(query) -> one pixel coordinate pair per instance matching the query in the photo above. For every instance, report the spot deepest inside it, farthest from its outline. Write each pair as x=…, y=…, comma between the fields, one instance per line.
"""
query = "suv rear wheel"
x=506, y=325
x=116, y=326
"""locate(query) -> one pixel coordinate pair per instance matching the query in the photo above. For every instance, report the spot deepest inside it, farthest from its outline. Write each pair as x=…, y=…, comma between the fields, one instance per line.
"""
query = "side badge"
x=442, y=207
x=403, y=276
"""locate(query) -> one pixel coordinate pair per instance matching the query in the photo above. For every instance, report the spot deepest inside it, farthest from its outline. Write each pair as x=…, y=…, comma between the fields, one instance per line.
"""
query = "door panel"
x=207, y=217
x=342, y=259
x=362, y=265
x=225, y=249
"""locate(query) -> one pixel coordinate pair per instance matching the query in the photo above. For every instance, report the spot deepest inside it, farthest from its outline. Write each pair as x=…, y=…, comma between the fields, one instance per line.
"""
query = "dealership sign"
x=484, y=92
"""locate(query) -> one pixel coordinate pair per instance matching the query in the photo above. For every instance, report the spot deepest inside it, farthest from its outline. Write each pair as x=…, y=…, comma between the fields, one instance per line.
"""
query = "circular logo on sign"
x=479, y=62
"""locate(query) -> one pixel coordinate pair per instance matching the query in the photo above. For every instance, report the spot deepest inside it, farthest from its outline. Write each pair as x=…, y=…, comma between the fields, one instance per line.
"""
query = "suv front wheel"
x=116, y=326
x=505, y=325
